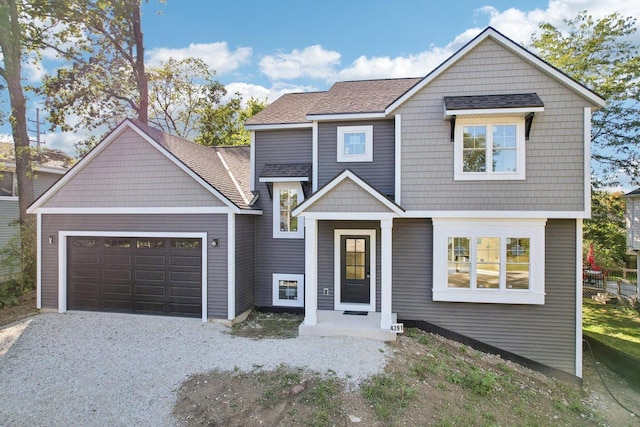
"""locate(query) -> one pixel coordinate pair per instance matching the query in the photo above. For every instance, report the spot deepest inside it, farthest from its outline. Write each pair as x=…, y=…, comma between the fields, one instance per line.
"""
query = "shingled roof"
x=46, y=157
x=225, y=168
x=364, y=96
x=480, y=102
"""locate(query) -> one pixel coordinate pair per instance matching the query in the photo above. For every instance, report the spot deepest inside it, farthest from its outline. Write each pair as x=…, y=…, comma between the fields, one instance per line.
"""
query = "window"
x=286, y=196
x=288, y=290
x=499, y=261
x=355, y=144
x=8, y=184
x=490, y=149
x=150, y=243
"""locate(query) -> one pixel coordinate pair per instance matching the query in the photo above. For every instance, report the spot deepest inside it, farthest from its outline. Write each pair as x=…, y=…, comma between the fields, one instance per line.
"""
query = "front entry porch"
x=331, y=323
x=348, y=260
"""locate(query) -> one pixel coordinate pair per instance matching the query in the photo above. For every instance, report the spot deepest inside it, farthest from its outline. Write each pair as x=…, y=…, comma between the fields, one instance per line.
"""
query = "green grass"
x=388, y=395
x=614, y=325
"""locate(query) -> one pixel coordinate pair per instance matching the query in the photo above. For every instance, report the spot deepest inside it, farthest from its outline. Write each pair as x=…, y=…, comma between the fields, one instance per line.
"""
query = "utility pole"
x=37, y=131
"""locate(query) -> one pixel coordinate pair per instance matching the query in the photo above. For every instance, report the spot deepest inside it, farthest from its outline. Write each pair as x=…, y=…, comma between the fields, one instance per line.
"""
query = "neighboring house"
x=49, y=166
x=454, y=202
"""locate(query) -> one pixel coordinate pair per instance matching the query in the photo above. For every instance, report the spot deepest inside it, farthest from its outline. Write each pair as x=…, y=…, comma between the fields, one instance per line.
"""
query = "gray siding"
x=545, y=334
x=245, y=239
x=326, y=260
x=347, y=197
x=276, y=255
x=554, y=153
x=213, y=225
x=9, y=211
x=131, y=173
x=379, y=173
x=43, y=181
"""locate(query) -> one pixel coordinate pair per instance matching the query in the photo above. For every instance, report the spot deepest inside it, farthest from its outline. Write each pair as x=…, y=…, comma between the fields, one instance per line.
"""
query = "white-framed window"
x=286, y=196
x=8, y=185
x=288, y=290
x=489, y=261
x=489, y=149
x=355, y=144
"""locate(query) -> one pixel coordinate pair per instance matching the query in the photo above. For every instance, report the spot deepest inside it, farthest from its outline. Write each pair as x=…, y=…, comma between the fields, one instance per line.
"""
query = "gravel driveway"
x=97, y=369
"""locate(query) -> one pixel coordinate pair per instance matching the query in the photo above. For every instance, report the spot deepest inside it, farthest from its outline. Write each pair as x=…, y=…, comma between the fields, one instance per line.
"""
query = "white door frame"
x=337, y=284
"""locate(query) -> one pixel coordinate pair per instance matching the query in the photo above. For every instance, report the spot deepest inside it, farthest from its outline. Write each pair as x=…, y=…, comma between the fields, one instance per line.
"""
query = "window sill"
x=489, y=177
x=489, y=296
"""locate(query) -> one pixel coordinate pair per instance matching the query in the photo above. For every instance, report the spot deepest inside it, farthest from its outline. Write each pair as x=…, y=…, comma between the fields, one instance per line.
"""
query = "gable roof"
x=231, y=177
x=506, y=42
x=224, y=171
x=347, y=175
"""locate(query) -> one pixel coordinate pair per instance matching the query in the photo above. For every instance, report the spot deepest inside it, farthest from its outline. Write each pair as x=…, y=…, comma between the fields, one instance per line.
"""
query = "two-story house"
x=453, y=202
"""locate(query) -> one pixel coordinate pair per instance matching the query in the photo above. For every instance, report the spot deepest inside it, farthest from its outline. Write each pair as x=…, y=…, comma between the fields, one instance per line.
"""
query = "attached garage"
x=149, y=223
x=146, y=275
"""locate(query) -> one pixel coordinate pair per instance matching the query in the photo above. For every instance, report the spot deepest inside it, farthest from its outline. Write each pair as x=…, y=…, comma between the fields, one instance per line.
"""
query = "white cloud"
x=519, y=25
x=217, y=55
x=64, y=141
x=261, y=93
x=312, y=61
x=33, y=72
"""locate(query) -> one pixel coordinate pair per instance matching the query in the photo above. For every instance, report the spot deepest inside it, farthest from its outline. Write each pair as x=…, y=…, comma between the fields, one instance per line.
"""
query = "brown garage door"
x=135, y=275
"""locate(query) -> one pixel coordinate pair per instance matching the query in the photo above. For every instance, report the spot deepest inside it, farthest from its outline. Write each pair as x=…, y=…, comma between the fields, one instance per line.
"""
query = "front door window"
x=355, y=268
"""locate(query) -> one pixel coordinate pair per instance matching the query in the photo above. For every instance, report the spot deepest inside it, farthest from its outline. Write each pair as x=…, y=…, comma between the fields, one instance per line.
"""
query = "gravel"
x=97, y=369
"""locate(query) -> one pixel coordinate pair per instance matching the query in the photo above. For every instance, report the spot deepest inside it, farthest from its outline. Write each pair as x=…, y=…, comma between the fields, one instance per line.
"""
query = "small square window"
x=288, y=290
x=355, y=144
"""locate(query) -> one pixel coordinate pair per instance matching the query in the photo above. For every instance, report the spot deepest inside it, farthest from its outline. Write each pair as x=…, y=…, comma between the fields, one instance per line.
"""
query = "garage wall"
x=245, y=241
x=215, y=225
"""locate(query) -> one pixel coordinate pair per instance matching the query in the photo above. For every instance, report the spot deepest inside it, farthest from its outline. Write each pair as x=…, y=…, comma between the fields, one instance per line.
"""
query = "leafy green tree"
x=606, y=229
x=178, y=95
x=223, y=124
x=601, y=54
x=105, y=80
x=18, y=37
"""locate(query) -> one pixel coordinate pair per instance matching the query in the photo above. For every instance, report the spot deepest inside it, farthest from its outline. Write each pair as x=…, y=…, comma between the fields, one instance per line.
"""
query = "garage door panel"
x=139, y=275
x=112, y=289
x=150, y=260
x=111, y=274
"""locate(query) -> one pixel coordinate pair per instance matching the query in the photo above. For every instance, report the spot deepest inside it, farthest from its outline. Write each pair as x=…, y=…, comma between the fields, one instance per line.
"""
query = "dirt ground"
x=303, y=398
x=26, y=308
x=519, y=397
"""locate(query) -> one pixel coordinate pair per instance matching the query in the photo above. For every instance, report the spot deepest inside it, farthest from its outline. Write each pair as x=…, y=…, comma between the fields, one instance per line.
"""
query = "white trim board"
x=278, y=126
x=63, y=262
x=332, y=184
x=145, y=211
x=337, y=280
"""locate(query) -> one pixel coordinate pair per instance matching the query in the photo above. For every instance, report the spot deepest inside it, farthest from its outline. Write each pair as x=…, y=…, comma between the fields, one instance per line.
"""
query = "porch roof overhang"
x=347, y=196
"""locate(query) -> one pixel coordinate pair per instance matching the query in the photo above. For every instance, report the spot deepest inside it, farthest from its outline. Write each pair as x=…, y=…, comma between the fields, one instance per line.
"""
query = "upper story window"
x=355, y=144
x=286, y=196
x=8, y=184
x=489, y=149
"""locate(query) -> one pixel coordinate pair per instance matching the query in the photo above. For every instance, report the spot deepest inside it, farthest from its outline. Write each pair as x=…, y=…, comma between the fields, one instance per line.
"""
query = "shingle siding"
x=554, y=153
x=132, y=173
x=379, y=173
x=245, y=234
x=347, y=197
x=213, y=225
x=527, y=330
x=284, y=256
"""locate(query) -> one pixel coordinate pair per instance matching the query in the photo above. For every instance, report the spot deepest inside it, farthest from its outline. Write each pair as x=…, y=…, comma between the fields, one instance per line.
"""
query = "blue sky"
x=267, y=48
